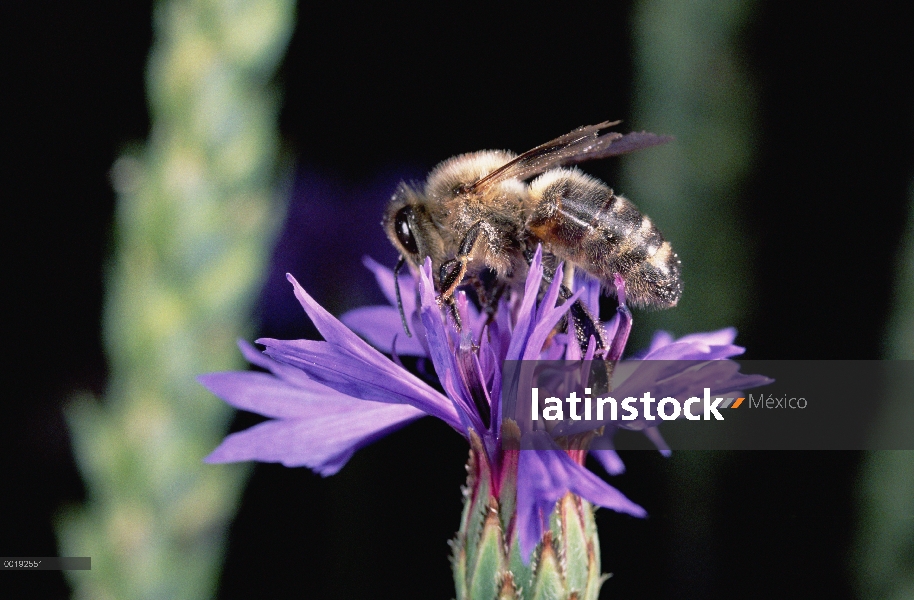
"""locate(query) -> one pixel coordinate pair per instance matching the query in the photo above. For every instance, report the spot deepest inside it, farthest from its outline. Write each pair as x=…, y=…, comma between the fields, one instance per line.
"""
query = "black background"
x=375, y=94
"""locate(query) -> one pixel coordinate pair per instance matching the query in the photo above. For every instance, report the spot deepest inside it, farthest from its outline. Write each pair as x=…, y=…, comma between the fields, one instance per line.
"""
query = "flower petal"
x=591, y=286
x=385, y=279
x=721, y=337
x=330, y=327
x=323, y=441
x=381, y=326
x=547, y=317
x=653, y=434
x=268, y=395
x=442, y=354
x=545, y=473
x=604, y=450
x=711, y=345
x=523, y=325
x=283, y=371
x=610, y=460
x=370, y=376
x=693, y=351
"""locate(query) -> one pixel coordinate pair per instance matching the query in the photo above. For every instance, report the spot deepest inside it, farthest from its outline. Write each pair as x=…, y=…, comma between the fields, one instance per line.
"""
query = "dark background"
x=374, y=95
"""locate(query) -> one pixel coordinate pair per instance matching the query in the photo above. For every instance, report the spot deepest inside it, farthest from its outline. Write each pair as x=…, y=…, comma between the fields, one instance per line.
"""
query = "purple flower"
x=329, y=398
x=672, y=367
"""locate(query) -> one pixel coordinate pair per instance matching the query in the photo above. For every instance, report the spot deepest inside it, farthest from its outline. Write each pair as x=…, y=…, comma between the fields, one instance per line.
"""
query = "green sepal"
x=577, y=555
x=488, y=569
x=459, y=567
x=510, y=449
x=548, y=583
x=523, y=573
x=509, y=590
x=478, y=485
x=595, y=578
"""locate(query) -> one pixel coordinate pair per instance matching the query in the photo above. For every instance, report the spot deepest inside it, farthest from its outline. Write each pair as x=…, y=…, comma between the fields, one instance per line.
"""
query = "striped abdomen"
x=580, y=220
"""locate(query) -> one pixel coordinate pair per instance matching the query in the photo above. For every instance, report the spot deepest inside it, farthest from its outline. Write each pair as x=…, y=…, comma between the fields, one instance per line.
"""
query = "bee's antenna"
x=400, y=262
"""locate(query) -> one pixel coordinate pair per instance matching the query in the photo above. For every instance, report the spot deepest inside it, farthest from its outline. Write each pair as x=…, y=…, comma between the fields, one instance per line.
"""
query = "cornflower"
x=527, y=527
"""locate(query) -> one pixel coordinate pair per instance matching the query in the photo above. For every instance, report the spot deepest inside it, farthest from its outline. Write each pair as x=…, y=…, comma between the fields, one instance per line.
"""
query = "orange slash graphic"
x=737, y=403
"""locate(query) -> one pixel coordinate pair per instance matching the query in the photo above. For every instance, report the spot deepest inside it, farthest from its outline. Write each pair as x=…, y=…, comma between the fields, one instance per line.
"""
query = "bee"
x=480, y=221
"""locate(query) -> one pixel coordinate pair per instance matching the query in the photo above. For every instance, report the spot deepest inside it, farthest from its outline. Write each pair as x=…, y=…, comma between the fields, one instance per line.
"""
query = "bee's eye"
x=404, y=232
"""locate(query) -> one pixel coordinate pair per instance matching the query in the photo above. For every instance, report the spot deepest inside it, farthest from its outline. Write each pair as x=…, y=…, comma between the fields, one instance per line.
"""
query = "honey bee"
x=480, y=222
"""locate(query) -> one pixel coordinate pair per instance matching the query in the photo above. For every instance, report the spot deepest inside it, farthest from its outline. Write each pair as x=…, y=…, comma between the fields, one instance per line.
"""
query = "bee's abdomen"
x=579, y=219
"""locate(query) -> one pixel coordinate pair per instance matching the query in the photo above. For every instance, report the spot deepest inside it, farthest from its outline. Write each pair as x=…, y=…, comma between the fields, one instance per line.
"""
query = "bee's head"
x=410, y=227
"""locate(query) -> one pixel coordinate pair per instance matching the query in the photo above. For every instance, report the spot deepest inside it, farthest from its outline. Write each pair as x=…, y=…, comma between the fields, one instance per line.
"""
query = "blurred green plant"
x=884, y=558
x=691, y=81
x=196, y=215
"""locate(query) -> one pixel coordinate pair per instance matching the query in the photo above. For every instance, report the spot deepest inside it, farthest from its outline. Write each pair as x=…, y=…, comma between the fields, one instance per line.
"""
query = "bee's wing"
x=584, y=143
x=618, y=144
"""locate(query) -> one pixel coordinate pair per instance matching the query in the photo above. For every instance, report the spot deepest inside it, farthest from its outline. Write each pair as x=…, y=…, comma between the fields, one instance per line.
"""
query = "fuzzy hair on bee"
x=581, y=221
x=479, y=221
x=442, y=216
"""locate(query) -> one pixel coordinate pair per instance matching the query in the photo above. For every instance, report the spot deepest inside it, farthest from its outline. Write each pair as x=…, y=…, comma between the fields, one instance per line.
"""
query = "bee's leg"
x=548, y=264
x=453, y=271
x=603, y=372
x=400, y=262
x=586, y=326
x=452, y=306
x=450, y=275
x=455, y=314
x=583, y=323
x=579, y=318
x=488, y=292
x=568, y=276
x=492, y=306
